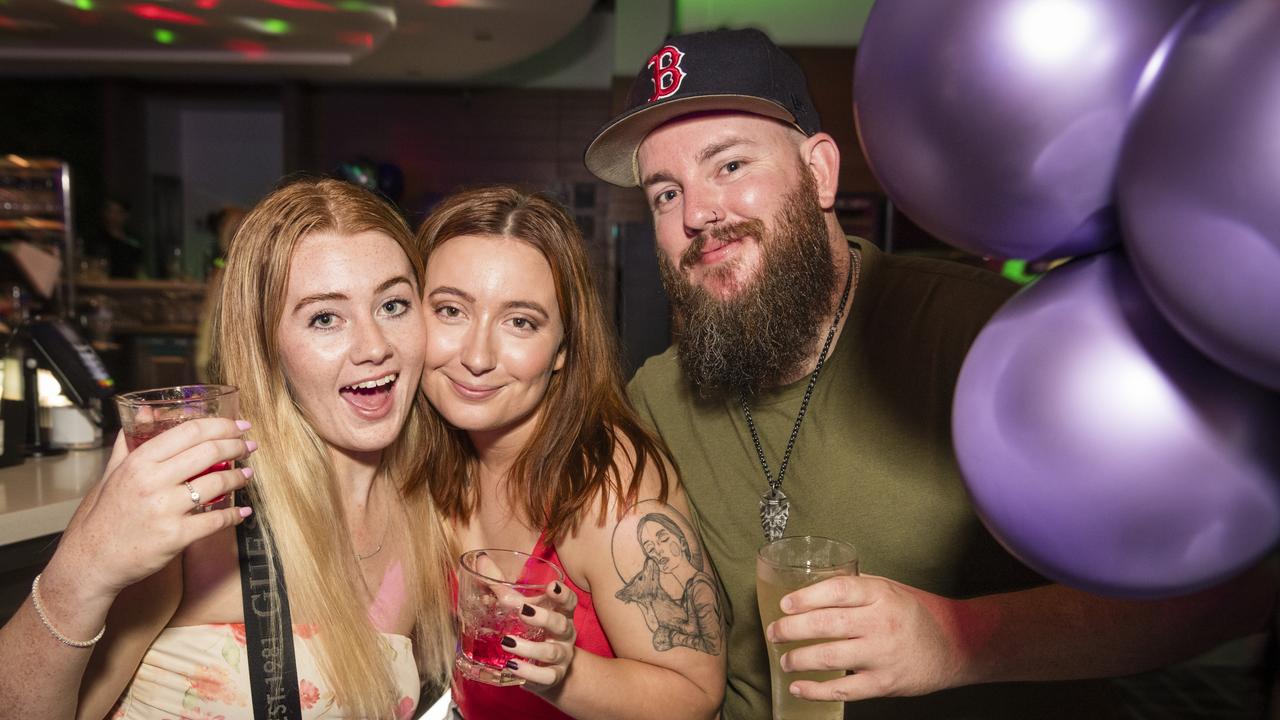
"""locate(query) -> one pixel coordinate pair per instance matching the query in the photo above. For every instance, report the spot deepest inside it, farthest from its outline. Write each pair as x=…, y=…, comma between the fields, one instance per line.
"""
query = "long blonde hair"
x=295, y=492
x=570, y=462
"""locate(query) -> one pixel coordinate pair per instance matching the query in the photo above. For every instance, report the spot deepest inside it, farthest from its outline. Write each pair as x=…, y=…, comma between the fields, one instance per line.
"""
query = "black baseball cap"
x=738, y=70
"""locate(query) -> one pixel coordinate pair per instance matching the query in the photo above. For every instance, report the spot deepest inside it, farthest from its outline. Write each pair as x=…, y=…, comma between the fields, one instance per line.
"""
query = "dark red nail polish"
x=508, y=641
x=527, y=611
x=511, y=665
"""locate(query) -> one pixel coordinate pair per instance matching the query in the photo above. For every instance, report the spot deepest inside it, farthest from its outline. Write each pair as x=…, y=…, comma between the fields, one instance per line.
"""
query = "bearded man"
x=809, y=393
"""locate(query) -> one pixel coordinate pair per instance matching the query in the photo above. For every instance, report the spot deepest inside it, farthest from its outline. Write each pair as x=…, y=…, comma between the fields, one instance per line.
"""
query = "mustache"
x=719, y=233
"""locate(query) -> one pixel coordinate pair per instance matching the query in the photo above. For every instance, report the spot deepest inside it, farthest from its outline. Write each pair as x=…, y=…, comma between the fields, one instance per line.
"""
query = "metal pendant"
x=774, y=512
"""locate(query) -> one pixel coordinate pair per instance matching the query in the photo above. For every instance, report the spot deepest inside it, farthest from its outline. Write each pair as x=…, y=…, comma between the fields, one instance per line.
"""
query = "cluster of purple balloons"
x=1116, y=421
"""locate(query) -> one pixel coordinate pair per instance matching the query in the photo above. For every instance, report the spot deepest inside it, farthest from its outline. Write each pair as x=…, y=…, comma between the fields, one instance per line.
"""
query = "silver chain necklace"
x=775, y=508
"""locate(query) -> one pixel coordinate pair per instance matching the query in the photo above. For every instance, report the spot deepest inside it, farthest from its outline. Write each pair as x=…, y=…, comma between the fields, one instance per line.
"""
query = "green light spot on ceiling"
x=274, y=26
x=85, y=5
x=164, y=37
x=353, y=5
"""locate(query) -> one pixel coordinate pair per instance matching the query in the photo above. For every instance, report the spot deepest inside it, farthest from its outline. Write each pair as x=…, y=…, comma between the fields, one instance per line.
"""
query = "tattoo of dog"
x=674, y=588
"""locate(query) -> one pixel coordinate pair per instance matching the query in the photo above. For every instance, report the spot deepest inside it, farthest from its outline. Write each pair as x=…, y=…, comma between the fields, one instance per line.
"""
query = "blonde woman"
x=536, y=449
x=319, y=325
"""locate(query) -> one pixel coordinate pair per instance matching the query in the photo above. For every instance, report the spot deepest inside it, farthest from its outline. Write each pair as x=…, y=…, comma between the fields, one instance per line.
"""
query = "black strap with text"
x=273, y=672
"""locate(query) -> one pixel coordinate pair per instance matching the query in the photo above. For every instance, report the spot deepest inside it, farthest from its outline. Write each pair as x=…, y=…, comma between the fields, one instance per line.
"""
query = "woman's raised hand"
x=552, y=655
x=142, y=514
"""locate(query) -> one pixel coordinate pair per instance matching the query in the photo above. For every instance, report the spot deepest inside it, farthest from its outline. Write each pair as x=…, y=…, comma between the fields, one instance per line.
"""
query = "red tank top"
x=478, y=701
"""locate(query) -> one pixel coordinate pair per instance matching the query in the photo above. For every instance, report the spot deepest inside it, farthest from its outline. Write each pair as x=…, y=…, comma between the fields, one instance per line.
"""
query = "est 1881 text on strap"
x=273, y=672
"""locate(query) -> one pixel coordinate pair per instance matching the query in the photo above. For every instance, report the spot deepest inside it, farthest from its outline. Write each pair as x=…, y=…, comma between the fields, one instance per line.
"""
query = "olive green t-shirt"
x=873, y=465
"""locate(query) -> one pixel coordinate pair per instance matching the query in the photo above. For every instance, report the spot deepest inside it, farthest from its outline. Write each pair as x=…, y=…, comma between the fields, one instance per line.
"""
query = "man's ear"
x=821, y=157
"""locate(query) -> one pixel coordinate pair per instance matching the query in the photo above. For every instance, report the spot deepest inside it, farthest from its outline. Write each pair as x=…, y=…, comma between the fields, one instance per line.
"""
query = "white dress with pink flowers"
x=201, y=672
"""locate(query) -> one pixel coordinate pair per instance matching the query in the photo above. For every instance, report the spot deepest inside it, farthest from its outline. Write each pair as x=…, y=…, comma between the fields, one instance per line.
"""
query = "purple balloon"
x=1104, y=451
x=1199, y=187
x=997, y=125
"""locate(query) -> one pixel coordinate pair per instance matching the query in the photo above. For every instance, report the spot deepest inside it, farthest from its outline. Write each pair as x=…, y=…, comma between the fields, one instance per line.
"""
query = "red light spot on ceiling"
x=443, y=3
x=163, y=14
x=248, y=48
x=358, y=39
x=309, y=5
x=207, y=4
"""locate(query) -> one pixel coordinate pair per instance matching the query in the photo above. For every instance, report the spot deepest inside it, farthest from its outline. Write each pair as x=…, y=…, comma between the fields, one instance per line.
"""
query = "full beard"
x=766, y=332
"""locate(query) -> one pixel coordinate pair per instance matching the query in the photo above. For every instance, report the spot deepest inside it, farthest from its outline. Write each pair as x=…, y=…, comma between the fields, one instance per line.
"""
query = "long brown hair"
x=585, y=417
x=295, y=492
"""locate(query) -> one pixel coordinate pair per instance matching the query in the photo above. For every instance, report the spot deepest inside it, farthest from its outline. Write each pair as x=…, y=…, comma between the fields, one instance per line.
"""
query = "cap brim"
x=612, y=155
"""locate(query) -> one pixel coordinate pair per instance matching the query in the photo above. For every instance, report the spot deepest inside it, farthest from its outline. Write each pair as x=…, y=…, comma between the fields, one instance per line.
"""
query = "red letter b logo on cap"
x=667, y=75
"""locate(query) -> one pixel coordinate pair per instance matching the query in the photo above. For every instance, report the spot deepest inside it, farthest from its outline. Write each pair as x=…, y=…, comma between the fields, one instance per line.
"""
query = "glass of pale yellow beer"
x=783, y=566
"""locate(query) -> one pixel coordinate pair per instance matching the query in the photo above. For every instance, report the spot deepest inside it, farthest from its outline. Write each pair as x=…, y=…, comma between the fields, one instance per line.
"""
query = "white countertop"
x=38, y=497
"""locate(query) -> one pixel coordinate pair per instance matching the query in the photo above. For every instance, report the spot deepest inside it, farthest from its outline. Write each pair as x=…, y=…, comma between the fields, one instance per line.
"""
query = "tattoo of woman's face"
x=659, y=558
x=667, y=547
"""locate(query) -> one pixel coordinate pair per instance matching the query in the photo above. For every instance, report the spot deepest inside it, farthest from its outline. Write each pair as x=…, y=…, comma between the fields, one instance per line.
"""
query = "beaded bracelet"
x=35, y=601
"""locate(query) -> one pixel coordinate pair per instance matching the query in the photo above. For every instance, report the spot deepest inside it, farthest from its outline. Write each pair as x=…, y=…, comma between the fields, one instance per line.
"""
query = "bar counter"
x=38, y=497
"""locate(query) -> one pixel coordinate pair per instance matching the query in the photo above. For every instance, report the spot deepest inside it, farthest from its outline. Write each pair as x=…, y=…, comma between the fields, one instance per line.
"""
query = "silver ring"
x=195, y=496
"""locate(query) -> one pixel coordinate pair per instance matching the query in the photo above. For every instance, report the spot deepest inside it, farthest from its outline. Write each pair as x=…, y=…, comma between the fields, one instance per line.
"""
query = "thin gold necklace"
x=386, y=524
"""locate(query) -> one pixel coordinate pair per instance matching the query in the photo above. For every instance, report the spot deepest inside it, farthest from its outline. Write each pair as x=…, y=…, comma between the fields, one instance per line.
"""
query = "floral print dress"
x=201, y=672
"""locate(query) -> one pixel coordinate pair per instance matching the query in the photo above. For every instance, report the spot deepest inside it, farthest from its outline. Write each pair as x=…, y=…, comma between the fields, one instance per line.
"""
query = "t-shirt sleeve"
x=638, y=391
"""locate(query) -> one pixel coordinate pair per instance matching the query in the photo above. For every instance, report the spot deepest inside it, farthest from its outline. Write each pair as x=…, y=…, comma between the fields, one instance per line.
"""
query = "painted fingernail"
x=246, y=512
x=247, y=472
x=527, y=611
x=243, y=424
x=508, y=641
x=250, y=445
x=512, y=665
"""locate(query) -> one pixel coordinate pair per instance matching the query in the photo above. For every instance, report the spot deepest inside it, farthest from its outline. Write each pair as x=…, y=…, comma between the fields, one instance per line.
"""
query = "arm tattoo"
x=659, y=557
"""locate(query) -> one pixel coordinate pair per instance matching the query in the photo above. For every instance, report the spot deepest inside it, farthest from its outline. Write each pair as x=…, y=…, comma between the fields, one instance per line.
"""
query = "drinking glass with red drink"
x=147, y=413
x=493, y=587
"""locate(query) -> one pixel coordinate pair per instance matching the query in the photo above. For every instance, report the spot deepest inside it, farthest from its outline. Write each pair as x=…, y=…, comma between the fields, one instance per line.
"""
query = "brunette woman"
x=536, y=449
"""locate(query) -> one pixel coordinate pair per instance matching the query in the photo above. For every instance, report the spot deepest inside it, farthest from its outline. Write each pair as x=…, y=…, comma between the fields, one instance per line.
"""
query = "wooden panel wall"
x=447, y=139
x=830, y=74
